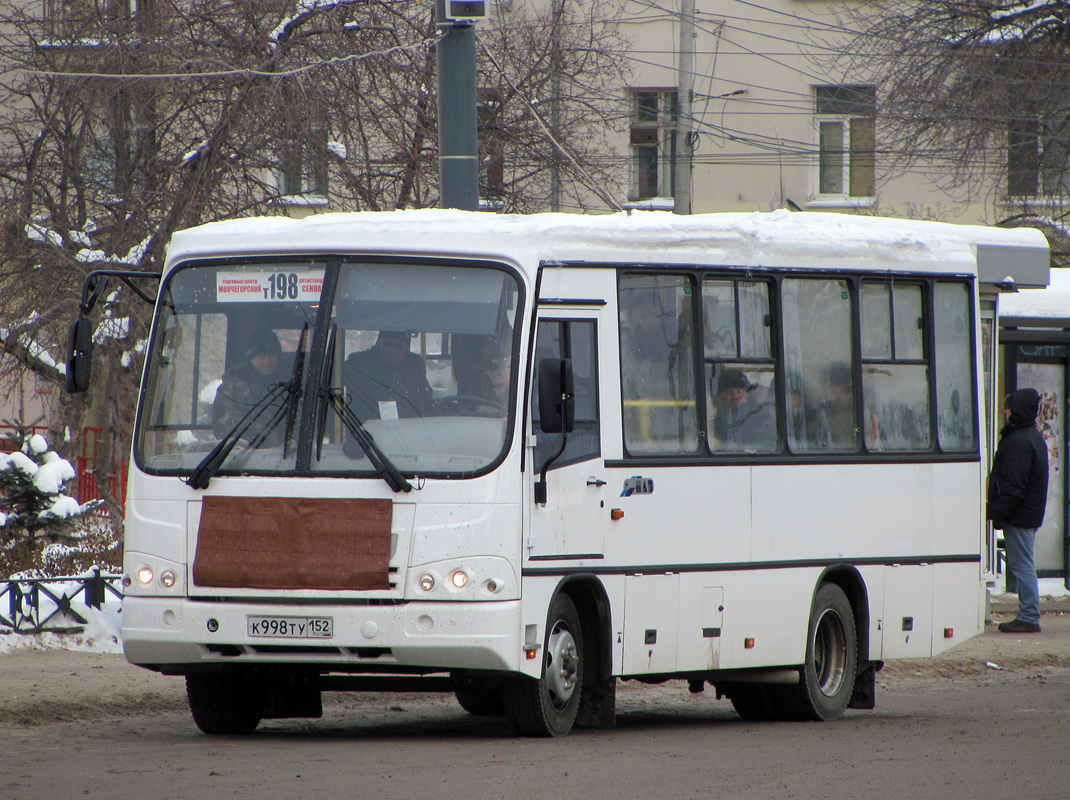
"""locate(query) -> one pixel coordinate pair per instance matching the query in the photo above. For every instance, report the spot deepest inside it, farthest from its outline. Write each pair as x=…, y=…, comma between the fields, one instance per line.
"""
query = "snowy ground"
x=102, y=634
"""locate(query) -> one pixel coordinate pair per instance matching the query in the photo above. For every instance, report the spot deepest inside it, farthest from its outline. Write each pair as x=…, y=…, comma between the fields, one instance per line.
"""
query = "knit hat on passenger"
x=264, y=341
x=731, y=379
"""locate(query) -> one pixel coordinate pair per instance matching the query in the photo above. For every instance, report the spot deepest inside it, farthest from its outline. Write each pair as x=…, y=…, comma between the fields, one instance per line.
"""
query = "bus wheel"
x=548, y=706
x=223, y=705
x=827, y=679
x=481, y=702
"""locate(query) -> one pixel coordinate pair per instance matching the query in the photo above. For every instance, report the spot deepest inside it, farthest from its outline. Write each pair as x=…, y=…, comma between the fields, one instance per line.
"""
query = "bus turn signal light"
x=748, y=643
x=949, y=633
x=616, y=513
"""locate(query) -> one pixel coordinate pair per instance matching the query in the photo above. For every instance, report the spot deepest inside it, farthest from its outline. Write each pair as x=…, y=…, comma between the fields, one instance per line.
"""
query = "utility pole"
x=556, y=9
x=458, y=143
x=685, y=79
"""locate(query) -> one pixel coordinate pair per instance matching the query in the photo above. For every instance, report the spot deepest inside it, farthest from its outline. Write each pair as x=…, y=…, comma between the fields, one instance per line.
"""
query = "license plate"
x=291, y=627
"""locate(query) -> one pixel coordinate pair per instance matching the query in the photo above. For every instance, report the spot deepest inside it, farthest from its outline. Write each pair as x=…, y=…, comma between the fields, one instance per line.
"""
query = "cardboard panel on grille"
x=293, y=543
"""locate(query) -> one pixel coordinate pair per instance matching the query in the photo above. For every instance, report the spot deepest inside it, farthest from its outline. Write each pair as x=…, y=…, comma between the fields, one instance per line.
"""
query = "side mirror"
x=79, y=355
x=557, y=401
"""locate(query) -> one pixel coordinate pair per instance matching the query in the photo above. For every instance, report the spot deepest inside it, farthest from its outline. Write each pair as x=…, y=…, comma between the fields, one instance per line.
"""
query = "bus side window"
x=895, y=371
x=955, y=403
x=575, y=340
x=819, y=376
x=657, y=365
x=740, y=368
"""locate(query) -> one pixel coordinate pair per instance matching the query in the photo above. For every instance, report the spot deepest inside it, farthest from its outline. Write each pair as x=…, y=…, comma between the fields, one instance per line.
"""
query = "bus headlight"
x=459, y=579
x=167, y=578
x=427, y=582
x=144, y=576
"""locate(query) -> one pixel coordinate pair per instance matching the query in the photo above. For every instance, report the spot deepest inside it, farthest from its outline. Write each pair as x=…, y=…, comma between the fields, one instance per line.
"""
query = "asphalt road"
x=989, y=719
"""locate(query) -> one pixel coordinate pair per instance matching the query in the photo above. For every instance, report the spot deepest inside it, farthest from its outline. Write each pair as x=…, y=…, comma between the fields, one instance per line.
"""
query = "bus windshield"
x=330, y=366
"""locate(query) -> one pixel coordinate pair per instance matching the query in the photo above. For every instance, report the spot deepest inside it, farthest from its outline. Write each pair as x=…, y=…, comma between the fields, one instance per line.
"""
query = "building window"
x=303, y=165
x=492, y=134
x=846, y=129
x=1038, y=158
x=653, y=142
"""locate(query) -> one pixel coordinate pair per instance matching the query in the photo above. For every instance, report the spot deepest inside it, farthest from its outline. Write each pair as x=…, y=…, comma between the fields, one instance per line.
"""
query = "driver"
x=388, y=380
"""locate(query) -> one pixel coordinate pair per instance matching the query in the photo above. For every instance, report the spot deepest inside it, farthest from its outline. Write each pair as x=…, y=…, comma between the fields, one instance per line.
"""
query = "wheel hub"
x=562, y=666
x=830, y=653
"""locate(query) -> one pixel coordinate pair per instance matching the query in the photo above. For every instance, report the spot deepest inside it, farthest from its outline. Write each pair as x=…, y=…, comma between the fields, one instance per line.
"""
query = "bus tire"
x=223, y=705
x=548, y=706
x=827, y=678
x=481, y=702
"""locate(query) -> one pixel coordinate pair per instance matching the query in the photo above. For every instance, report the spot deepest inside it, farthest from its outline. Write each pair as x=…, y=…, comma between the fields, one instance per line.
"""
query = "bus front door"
x=570, y=525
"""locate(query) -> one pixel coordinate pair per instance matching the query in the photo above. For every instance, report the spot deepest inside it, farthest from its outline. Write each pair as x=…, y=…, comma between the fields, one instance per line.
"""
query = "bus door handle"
x=592, y=481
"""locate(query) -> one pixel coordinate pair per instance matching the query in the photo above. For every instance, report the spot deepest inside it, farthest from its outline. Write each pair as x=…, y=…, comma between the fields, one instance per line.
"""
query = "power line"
x=242, y=72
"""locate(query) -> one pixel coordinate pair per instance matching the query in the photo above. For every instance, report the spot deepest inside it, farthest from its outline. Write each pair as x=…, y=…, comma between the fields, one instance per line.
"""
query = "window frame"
x=854, y=109
x=895, y=359
x=1038, y=161
x=652, y=142
x=743, y=361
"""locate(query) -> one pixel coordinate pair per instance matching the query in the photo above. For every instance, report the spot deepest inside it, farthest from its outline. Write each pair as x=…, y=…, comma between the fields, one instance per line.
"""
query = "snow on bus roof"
x=778, y=238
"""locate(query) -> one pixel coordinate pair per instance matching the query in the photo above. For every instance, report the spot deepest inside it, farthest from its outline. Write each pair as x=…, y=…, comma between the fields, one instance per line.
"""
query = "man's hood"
x=1024, y=406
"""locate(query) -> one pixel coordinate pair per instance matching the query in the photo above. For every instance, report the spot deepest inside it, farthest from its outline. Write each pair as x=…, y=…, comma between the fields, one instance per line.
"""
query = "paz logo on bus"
x=637, y=484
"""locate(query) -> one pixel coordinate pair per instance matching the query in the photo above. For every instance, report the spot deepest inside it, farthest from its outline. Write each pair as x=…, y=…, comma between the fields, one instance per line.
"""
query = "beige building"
x=773, y=123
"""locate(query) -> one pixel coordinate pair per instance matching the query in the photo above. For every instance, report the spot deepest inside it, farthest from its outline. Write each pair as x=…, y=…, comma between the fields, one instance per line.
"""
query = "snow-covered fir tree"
x=35, y=510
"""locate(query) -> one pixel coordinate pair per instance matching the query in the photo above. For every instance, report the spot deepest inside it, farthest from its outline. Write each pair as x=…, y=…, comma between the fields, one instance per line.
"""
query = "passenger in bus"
x=388, y=380
x=496, y=391
x=482, y=367
x=745, y=417
x=246, y=384
x=836, y=429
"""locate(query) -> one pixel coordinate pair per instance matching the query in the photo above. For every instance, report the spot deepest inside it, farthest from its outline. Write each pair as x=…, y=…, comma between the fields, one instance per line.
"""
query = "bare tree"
x=974, y=92
x=551, y=99
x=118, y=129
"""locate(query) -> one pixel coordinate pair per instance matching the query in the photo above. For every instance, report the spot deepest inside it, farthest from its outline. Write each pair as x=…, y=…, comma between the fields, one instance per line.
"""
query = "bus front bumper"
x=179, y=636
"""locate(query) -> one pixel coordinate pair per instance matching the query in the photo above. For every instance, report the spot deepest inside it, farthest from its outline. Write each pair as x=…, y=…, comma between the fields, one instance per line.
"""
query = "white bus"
x=521, y=458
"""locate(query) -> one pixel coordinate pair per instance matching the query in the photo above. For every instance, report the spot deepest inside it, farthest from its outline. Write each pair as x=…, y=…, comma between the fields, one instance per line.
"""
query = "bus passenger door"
x=569, y=526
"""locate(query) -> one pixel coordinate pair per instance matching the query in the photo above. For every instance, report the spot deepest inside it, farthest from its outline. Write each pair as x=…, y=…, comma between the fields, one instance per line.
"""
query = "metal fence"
x=33, y=605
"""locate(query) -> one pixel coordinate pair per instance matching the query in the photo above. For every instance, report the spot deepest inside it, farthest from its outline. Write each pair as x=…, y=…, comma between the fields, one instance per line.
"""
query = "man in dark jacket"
x=388, y=380
x=1017, y=493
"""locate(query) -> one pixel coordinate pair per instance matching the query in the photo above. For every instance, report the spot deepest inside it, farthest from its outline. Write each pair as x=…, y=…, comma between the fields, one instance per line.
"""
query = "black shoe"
x=1018, y=626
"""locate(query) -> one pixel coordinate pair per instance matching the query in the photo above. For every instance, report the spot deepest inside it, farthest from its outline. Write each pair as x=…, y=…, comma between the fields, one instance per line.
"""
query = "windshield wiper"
x=384, y=467
x=211, y=463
